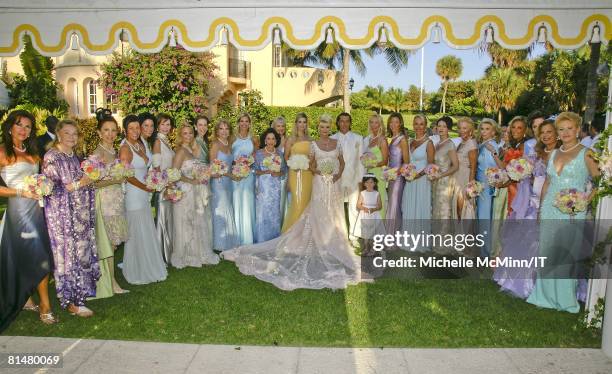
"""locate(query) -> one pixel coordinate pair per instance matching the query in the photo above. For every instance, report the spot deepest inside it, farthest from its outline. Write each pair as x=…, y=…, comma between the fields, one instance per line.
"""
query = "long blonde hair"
x=294, y=131
x=381, y=129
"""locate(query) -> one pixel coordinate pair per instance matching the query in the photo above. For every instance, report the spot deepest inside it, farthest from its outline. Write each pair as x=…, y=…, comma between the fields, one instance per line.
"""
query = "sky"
x=378, y=72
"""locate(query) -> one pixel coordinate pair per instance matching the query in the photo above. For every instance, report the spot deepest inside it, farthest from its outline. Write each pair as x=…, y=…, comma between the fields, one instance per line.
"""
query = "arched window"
x=92, y=99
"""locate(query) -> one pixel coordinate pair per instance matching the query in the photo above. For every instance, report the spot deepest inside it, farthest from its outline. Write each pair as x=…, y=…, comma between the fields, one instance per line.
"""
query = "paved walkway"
x=113, y=356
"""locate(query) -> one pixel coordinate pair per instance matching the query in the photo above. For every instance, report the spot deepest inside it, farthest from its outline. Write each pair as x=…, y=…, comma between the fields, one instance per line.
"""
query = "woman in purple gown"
x=520, y=236
x=398, y=155
x=70, y=215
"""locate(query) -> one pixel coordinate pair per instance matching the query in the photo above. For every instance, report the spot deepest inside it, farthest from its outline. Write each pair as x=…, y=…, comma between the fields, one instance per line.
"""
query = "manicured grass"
x=219, y=305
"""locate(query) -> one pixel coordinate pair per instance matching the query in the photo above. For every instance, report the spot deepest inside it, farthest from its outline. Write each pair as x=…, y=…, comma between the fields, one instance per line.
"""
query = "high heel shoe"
x=48, y=318
x=82, y=311
x=31, y=307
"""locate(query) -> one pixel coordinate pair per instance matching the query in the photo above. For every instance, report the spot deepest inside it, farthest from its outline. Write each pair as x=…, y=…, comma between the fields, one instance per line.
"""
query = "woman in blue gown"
x=569, y=166
x=243, y=190
x=224, y=227
x=488, y=157
x=268, y=189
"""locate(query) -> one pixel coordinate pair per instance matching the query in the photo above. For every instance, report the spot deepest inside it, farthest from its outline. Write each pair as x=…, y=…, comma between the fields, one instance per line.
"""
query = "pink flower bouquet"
x=200, y=172
x=571, y=201
x=473, y=188
x=519, y=169
x=496, y=176
x=432, y=171
x=218, y=167
x=409, y=172
x=390, y=174
x=272, y=163
x=93, y=167
x=156, y=180
x=119, y=170
x=368, y=160
x=174, y=194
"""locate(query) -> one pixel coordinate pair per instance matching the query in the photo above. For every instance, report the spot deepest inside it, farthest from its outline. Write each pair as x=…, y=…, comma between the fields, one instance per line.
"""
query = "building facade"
x=265, y=70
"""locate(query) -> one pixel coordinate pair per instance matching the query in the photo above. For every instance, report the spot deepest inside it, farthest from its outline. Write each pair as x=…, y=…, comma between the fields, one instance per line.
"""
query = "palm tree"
x=505, y=58
x=334, y=56
x=378, y=97
x=500, y=89
x=396, y=98
x=448, y=68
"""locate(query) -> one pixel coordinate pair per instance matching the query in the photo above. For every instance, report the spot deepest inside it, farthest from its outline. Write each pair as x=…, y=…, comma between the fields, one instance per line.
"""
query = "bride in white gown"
x=314, y=253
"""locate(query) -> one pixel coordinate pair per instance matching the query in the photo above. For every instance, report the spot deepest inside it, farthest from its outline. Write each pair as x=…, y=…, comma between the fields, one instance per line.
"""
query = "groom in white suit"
x=352, y=148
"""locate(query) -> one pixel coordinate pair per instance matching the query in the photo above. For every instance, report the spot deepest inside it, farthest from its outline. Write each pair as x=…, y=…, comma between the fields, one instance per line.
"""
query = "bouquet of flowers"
x=519, y=168
x=368, y=160
x=246, y=160
x=390, y=174
x=119, y=170
x=218, y=167
x=173, y=174
x=409, y=172
x=38, y=184
x=326, y=167
x=93, y=167
x=496, y=176
x=241, y=170
x=200, y=172
x=473, y=188
x=174, y=194
x=571, y=201
x=156, y=180
x=272, y=163
x=298, y=162
x=432, y=171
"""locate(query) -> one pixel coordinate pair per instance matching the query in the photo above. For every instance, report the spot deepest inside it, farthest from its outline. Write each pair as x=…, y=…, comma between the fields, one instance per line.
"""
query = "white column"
x=606, y=213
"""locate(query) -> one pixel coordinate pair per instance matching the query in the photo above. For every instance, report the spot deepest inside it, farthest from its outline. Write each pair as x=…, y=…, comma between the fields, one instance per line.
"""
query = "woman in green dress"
x=377, y=145
x=111, y=223
x=561, y=234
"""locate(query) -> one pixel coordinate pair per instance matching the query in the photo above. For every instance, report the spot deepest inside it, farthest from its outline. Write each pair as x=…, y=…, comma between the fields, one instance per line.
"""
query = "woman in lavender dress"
x=71, y=220
x=268, y=189
x=520, y=238
x=280, y=125
x=398, y=155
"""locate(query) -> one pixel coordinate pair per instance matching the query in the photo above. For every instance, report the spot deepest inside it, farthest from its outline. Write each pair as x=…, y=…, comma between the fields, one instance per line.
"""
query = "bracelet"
x=76, y=185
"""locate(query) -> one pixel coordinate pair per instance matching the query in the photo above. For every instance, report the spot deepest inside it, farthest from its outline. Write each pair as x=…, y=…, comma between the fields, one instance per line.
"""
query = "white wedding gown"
x=314, y=253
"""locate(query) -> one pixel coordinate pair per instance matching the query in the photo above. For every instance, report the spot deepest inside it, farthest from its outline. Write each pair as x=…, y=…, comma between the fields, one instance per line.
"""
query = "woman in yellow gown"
x=300, y=181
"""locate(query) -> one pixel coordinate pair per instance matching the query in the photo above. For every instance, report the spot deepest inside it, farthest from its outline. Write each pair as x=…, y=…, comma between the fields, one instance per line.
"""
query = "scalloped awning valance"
x=98, y=26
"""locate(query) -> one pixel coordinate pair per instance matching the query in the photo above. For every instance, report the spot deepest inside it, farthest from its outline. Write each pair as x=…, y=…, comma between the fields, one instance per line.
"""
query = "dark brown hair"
x=30, y=143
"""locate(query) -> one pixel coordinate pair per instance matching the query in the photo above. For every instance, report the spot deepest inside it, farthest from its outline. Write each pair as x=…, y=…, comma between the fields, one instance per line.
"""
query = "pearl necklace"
x=111, y=151
x=22, y=150
x=136, y=148
x=567, y=150
x=226, y=143
x=268, y=152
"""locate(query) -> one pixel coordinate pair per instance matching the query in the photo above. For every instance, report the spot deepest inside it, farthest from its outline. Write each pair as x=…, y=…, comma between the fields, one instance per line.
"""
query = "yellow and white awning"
x=98, y=26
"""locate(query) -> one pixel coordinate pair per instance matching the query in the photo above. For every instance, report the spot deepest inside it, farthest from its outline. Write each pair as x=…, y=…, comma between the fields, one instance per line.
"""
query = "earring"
x=10, y=133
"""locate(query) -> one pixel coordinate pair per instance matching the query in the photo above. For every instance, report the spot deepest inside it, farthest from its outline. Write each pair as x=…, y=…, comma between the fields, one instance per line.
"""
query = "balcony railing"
x=239, y=68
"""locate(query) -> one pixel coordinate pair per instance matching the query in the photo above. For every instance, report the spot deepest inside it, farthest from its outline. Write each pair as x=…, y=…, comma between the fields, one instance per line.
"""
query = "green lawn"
x=220, y=305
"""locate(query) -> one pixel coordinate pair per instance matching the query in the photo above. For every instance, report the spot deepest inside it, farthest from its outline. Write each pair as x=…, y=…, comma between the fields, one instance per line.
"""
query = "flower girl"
x=369, y=222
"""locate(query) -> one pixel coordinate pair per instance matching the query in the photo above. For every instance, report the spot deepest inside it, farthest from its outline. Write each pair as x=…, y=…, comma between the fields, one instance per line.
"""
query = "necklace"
x=518, y=144
x=567, y=150
x=66, y=153
x=225, y=143
x=22, y=150
x=136, y=148
x=420, y=139
x=270, y=152
x=110, y=151
x=240, y=137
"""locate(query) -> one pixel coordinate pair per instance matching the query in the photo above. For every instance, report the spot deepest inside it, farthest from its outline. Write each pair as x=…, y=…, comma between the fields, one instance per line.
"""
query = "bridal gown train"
x=314, y=253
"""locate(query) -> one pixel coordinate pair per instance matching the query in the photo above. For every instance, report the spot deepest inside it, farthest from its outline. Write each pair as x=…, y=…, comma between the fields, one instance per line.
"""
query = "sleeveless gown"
x=382, y=184
x=314, y=253
x=416, y=198
x=369, y=224
x=462, y=178
x=243, y=195
x=300, y=186
x=560, y=236
x=142, y=257
x=192, y=228
x=163, y=218
x=484, y=201
x=225, y=235
x=395, y=190
x=25, y=250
